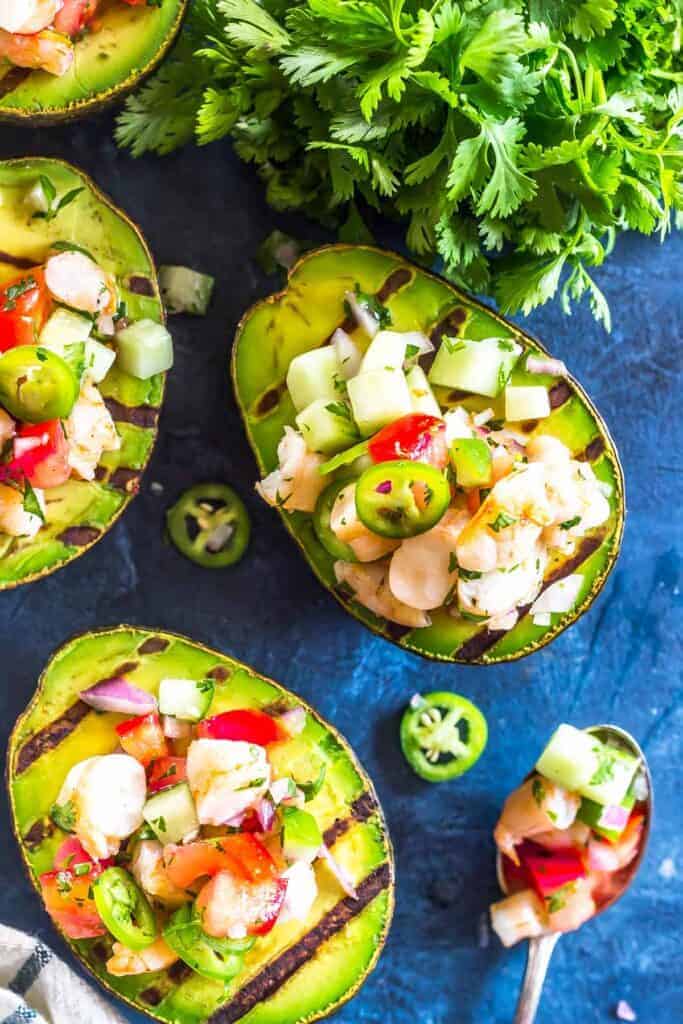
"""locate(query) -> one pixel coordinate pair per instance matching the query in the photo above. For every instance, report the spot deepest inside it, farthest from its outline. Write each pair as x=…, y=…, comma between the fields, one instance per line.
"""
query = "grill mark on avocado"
x=593, y=450
x=125, y=479
x=152, y=996
x=20, y=262
x=396, y=280
x=281, y=969
x=39, y=831
x=140, y=285
x=559, y=394
x=220, y=673
x=486, y=638
x=122, y=670
x=153, y=645
x=138, y=415
x=79, y=536
x=362, y=808
x=270, y=399
x=11, y=81
x=51, y=736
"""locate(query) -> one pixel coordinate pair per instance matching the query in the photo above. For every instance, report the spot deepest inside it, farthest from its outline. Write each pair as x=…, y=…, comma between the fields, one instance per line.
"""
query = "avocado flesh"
x=305, y=315
x=79, y=512
x=342, y=962
x=128, y=44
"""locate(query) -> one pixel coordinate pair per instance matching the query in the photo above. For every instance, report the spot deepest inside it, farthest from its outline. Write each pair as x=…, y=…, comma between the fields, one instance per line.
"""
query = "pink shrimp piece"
x=74, y=16
x=537, y=806
x=44, y=51
x=573, y=906
x=577, y=835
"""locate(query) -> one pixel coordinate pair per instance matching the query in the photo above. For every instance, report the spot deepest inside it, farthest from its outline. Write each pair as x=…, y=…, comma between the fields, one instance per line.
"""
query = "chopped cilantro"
x=15, y=291
x=501, y=521
x=568, y=523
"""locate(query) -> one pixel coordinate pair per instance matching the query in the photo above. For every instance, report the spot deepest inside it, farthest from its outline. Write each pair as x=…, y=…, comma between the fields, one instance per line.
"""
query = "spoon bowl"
x=541, y=949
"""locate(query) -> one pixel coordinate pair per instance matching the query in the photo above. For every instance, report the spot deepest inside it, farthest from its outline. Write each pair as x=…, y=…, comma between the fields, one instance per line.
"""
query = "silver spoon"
x=541, y=948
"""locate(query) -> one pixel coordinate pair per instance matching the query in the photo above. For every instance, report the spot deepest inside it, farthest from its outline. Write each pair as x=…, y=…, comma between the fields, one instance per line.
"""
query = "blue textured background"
x=621, y=663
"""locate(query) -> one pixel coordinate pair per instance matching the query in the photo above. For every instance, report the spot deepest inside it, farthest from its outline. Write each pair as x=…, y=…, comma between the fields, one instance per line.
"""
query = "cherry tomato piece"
x=247, y=725
x=166, y=771
x=44, y=454
x=143, y=738
x=417, y=437
x=24, y=306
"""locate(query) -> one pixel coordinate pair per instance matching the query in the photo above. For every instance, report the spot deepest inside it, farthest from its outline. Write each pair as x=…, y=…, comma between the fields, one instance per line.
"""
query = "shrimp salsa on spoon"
x=569, y=835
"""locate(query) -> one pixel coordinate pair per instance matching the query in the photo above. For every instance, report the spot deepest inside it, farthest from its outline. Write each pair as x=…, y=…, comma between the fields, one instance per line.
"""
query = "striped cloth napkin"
x=36, y=987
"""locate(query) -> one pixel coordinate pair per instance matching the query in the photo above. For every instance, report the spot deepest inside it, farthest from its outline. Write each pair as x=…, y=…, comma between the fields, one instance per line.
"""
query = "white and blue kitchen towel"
x=36, y=987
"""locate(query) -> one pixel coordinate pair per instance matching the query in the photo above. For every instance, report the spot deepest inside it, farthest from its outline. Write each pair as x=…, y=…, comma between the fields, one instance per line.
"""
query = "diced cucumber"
x=386, y=351
x=482, y=367
x=313, y=375
x=421, y=395
x=171, y=814
x=301, y=835
x=184, y=290
x=472, y=462
x=581, y=763
x=99, y=359
x=348, y=353
x=526, y=403
x=187, y=699
x=609, y=822
x=144, y=348
x=326, y=426
x=63, y=328
x=378, y=397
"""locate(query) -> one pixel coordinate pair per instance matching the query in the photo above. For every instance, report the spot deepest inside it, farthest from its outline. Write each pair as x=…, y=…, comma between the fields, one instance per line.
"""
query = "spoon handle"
x=538, y=960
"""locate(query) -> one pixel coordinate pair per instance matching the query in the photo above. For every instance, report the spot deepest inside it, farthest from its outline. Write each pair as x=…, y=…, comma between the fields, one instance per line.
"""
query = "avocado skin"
x=81, y=512
x=305, y=314
x=57, y=730
x=128, y=45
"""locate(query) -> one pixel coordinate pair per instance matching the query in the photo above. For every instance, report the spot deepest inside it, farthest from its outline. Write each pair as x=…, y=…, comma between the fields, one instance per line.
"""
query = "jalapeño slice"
x=401, y=499
x=124, y=909
x=218, y=959
x=36, y=384
x=442, y=735
x=209, y=525
x=321, y=522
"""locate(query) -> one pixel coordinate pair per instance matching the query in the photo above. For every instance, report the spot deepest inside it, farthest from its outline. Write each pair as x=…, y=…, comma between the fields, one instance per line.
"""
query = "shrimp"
x=14, y=519
x=226, y=777
x=296, y=484
x=494, y=594
x=537, y=806
x=422, y=572
x=520, y=916
x=571, y=906
x=43, y=51
x=573, y=492
x=89, y=431
x=576, y=835
x=141, y=961
x=77, y=281
x=27, y=16
x=507, y=526
x=148, y=868
x=347, y=527
x=370, y=587
x=74, y=15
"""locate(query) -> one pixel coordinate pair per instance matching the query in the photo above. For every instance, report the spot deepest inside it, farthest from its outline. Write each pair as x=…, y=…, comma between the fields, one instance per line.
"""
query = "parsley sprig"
x=516, y=140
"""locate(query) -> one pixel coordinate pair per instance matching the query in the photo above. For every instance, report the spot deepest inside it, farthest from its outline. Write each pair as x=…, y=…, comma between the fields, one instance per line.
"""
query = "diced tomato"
x=46, y=462
x=143, y=738
x=226, y=903
x=417, y=436
x=250, y=726
x=242, y=854
x=74, y=15
x=166, y=771
x=69, y=902
x=548, y=870
x=24, y=305
x=473, y=501
x=136, y=3
x=71, y=856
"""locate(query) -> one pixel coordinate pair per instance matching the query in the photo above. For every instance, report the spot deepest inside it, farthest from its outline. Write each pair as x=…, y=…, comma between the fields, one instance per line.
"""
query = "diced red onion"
x=265, y=812
x=420, y=341
x=339, y=872
x=117, y=694
x=294, y=721
x=279, y=790
x=175, y=728
x=22, y=445
x=615, y=817
x=546, y=365
x=105, y=325
x=236, y=820
x=384, y=487
x=362, y=316
x=480, y=418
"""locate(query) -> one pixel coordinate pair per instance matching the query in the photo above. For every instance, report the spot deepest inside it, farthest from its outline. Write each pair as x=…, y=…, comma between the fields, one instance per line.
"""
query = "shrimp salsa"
x=431, y=510
x=569, y=835
x=41, y=34
x=186, y=844
x=63, y=327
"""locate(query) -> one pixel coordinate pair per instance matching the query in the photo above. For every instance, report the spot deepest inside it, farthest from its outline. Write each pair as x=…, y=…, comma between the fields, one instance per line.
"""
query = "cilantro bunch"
x=514, y=139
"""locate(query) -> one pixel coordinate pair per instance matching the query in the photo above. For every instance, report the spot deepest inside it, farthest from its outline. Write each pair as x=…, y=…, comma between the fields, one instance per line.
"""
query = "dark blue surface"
x=621, y=663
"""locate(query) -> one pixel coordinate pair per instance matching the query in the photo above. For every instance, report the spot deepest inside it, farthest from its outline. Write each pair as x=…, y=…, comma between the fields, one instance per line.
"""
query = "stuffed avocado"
x=82, y=354
x=278, y=913
x=61, y=58
x=447, y=480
